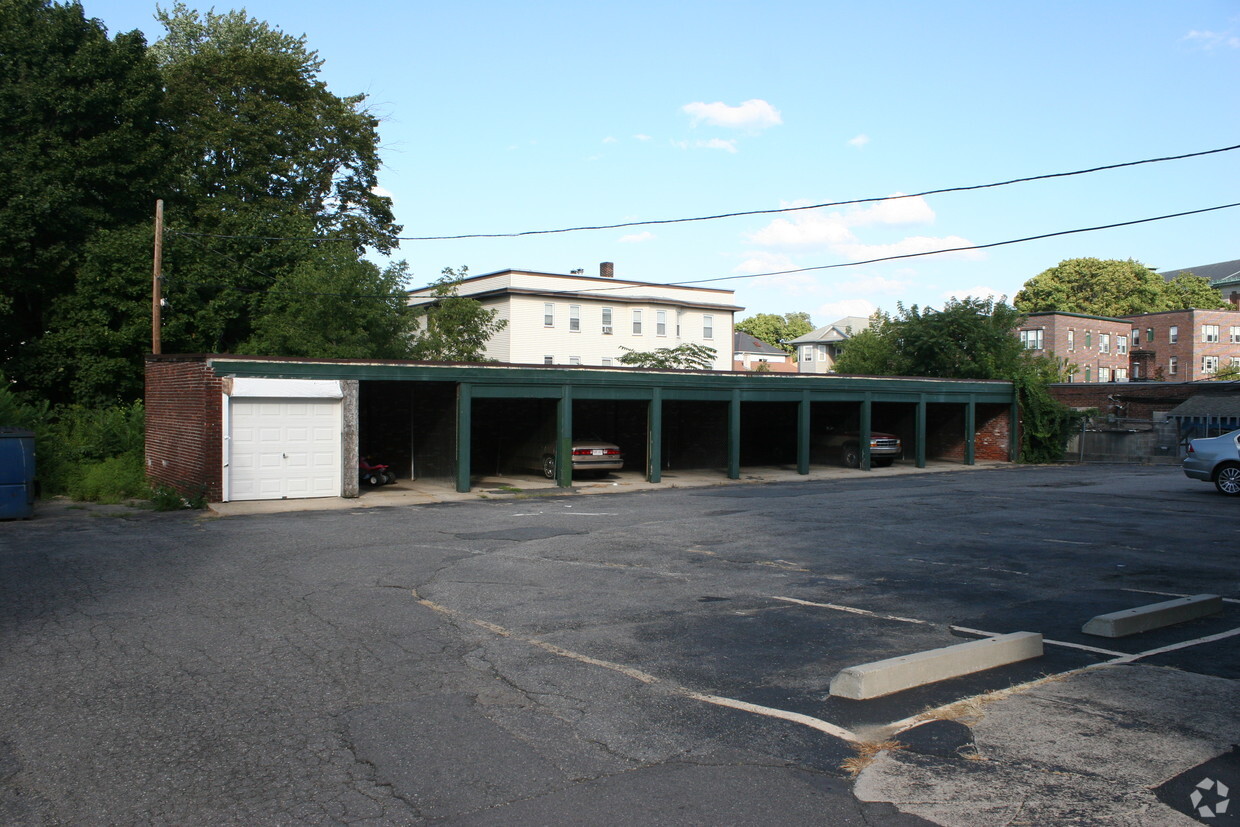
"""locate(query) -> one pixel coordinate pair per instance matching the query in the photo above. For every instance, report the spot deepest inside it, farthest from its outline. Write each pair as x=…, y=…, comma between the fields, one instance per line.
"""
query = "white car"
x=1216, y=459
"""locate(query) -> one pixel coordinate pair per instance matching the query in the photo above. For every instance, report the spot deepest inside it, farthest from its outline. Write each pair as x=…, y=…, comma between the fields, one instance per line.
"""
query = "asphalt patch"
x=948, y=739
x=1209, y=792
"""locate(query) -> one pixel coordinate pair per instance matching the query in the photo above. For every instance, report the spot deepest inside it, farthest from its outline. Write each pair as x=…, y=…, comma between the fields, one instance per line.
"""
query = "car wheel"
x=851, y=456
x=549, y=467
x=1227, y=480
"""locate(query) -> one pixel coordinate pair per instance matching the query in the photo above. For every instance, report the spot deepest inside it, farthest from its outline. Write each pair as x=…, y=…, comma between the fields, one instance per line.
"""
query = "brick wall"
x=1188, y=349
x=184, y=417
x=994, y=433
x=1136, y=400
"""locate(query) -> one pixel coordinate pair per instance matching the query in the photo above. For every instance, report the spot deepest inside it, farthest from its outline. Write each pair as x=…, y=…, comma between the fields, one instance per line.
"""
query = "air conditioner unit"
x=606, y=330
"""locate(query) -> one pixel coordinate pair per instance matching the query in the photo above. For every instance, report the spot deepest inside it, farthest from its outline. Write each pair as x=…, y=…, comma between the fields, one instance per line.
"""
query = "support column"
x=921, y=431
x=864, y=432
x=1014, y=434
x=734, y=436
x=803, y=428
x=654, y=437
x=564, y=439
x=970, y=430
x=349, y=451
x=464, y=429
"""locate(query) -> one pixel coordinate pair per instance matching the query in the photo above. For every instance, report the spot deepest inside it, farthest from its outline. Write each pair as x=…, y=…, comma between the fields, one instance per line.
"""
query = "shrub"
x=166, y=498
x=112, y=480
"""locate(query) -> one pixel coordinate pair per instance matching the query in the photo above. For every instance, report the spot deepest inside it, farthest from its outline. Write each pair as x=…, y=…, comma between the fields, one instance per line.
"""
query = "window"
x=660, y=322
x=1089, y=338
x=606, y=321
x=1173, y=334
x=807, y=353
x=1071, y=340
x=1104, y=344
x=548, y=360
x=1031, y=339
x=708, y=327
x=1149, y=335
x=1136, y=370
x=1121, y=374
x=1136, y=337
x=637, y=323
x=1121, y=344
x=606, y=362
x=1209, y=334
x=1235, y=361
x=822, y=353
x=1104, y=374
x=1173, y=365
x=1233, y=335
x=548, y=315
x=1209, y=364
x=574, y=318
x=574, y=360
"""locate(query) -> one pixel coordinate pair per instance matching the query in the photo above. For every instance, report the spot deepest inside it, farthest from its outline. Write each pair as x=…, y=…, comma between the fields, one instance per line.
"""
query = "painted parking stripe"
x=853, y=610
x=965, y=630
x=1173, y=594
x=1175, y=647
x=644, y=677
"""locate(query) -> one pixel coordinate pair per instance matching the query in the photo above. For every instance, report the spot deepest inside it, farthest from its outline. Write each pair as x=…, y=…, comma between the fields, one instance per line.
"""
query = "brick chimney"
x=607, y=270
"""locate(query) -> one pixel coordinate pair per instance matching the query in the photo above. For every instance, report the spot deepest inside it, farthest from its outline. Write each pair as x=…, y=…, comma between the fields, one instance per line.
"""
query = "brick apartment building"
x=1175, y=346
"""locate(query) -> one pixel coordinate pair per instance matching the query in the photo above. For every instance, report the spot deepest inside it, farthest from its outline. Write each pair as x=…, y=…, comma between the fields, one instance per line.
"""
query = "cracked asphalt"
x=657, y=658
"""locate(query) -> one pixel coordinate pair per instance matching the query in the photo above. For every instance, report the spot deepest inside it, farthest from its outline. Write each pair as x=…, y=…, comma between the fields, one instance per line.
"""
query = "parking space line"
x=644, y=677
x=1175, y=647
x=964, y=566
x=980, y=633
x=852, y=610
x=1173, y=594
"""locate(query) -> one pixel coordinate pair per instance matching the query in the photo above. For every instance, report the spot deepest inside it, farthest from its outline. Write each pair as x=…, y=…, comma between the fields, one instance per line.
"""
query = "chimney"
x=607, y=270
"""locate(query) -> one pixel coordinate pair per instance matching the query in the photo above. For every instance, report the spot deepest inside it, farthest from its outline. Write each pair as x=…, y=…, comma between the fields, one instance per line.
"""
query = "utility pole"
x=157, y=278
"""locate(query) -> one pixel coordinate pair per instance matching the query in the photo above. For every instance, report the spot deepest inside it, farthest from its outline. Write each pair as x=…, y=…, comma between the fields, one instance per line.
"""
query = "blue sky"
x=502, y=117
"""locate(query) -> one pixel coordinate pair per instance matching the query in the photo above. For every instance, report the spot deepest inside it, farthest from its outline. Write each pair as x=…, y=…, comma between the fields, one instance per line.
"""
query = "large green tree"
x=687, y=356
x=82, y=151
x=454, y=328
x=969, y=338
x=1109, y=287
x=775, y=329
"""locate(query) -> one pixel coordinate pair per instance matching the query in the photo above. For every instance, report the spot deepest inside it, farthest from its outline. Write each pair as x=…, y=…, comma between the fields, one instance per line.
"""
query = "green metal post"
x=864, y=436
x=464, y=429
x=970, y=430
x=564, y=439
x=1014, y=429
x=654, y=437
x=803, y=423
x=921, y=431
x=734, y=436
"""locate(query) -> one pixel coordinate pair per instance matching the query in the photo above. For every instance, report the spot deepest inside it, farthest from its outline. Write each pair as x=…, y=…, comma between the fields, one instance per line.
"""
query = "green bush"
x=166, y=498
x=112, y=480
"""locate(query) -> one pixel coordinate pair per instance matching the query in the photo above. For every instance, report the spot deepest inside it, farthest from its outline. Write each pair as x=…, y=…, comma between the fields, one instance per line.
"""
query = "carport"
x=454, y=422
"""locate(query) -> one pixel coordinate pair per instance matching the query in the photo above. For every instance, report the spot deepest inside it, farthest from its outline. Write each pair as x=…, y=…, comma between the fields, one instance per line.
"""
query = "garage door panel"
x=284, y=448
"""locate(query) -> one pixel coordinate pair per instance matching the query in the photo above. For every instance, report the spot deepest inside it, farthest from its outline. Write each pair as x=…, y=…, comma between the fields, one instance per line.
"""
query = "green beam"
x=734, y=436
x=564, y=439
x=864, y=435
x=654, y=436
x=464, y=431
x=1014, y=431
x=803, y=430
x=921, y=433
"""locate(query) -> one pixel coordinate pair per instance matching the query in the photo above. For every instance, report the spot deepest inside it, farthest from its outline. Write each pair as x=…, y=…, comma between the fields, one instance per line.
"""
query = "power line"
x=870, y=200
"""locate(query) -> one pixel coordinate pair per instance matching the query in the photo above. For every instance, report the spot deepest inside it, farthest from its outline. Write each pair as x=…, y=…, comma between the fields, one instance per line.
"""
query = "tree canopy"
x=690, y=356
x=775, y=329
x=270, y=184
x=1109, y=287
x=969, y=338
x=454, y=328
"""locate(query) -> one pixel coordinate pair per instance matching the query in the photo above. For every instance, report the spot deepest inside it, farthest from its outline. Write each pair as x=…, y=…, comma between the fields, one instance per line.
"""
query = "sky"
x=508, y=117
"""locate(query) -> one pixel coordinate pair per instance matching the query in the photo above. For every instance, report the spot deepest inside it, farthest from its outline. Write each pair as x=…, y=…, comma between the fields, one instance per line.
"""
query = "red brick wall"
x=1189, y=349
x=945, y=432
x=994, y=433
x=184, y=418
x=1137, y=400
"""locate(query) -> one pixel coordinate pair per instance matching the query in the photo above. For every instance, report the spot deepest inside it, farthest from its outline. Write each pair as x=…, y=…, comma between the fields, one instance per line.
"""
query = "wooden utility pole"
x=157, y=277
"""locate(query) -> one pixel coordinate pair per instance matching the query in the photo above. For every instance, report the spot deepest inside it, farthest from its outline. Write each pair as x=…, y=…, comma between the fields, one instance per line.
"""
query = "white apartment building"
x=589, y=320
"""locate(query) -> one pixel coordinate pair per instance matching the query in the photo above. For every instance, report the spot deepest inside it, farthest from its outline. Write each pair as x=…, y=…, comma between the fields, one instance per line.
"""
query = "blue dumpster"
x=16, y=474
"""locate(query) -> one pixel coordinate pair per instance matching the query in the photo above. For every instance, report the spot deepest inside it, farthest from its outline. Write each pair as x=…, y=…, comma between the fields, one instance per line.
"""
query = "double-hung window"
x=660, y=322
x=1071, y=340
x=1209, y=364
x=574, y=318
x=1104, y=344
x=1136, y=337
x=708, y=327
x=1173, y=365
x=1233, y=335
x=1121, y=344
x=1173, y=334
x=1209, y=334
x=1031, y=339
x=637, y=323
x=606, y=321
x=548, y=315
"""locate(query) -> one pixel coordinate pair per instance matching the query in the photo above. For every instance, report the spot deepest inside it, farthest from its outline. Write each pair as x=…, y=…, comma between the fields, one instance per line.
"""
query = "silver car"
x=1216, y=459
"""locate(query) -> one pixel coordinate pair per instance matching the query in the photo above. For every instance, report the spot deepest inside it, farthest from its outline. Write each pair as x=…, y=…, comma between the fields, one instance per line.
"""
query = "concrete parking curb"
x=886, y=677
x=1154, y=616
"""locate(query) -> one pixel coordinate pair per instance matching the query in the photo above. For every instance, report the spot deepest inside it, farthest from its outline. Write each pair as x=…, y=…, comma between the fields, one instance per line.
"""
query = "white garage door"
x=284, y=448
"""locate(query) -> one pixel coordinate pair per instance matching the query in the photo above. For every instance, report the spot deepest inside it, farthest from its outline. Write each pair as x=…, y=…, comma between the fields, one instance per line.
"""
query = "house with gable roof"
x=818, y=351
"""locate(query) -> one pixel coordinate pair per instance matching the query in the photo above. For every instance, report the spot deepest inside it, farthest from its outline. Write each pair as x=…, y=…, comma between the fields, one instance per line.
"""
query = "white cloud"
x=859, y=141
x=713, y=143
x=637, y=237
x=382, y=193
x=640, y=137
x=752, y=114
x=609, y=140
x=761, y=261
x=979, y=292
x=832, y=311
x=910, y=246
x=1211, y=40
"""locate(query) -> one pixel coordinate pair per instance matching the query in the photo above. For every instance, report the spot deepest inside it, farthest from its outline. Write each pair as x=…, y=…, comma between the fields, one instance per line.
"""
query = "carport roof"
x=499, y=379
x=1209, y=405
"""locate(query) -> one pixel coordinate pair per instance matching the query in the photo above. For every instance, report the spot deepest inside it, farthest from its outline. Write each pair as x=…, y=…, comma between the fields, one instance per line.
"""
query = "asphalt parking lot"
x=652, y=657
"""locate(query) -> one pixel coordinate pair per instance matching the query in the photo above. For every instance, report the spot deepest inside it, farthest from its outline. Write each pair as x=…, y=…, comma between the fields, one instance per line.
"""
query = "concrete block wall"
x=184, y=421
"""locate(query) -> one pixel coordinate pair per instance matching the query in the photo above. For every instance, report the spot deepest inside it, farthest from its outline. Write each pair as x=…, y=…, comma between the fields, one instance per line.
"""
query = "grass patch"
x=867, y=751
